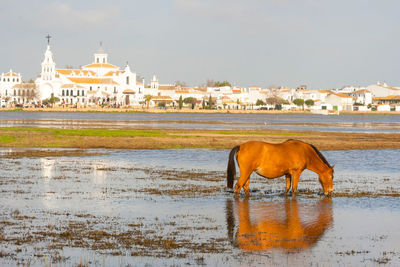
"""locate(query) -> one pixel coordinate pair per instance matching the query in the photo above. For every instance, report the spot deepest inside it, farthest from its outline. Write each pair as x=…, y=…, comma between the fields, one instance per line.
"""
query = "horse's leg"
x=246, y=187
x=295, y=180
x=243, y=179
x=288, y=182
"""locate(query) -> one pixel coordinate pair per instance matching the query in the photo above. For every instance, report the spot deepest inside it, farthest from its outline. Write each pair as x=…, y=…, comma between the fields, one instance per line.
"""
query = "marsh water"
x=343, y=123
x=170, y=208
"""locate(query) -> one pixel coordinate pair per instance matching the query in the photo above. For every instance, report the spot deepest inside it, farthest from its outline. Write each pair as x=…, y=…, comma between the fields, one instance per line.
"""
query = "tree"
x=309, y=102
x=274, y=100
x=210, y=102
x=162, y=104
x=222, y=84
x=51, y=101
x=203, y=104
x=210, y=83
x=259, y=102
x=180, y=102
x=299, y=102
x=180, y=84
x=148, y=98
x=188, y=100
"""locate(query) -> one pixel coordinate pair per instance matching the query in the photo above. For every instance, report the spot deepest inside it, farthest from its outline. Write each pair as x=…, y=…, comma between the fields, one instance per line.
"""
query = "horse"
x=288, y=159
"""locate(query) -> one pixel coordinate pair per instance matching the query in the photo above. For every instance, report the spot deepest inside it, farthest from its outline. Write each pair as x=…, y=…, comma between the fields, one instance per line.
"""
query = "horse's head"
x=326, y=180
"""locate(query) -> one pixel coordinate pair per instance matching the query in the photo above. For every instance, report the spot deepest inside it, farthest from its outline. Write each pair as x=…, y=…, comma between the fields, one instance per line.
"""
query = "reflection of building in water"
x=99, y=172
x=47, y=167
x=48, y=173
x=286, y=226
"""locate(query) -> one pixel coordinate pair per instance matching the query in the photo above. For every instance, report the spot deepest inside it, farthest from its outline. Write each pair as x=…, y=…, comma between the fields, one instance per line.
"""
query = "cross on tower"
x=48, y=38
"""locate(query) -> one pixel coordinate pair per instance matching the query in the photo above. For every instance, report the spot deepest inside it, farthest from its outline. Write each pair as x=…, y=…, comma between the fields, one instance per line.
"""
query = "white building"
x=97, y=83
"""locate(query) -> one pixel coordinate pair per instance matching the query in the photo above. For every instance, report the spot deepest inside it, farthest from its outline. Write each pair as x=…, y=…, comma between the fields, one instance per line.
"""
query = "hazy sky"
x=320, y=43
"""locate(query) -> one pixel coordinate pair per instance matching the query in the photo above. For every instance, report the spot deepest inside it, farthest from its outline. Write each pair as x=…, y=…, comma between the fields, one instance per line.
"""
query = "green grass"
x=7, y=139
x=256, y=133
x=92, y=132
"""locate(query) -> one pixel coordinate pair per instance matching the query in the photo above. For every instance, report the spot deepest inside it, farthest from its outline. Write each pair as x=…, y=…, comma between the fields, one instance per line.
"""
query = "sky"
x=323, y=44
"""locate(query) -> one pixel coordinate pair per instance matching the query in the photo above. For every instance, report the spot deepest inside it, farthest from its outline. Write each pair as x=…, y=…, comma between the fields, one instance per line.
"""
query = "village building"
x=98, y=83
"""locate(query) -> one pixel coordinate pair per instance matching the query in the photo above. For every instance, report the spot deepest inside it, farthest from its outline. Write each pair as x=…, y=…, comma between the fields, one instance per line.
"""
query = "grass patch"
x=92, y=132
x=257, y=133
x=7, y=139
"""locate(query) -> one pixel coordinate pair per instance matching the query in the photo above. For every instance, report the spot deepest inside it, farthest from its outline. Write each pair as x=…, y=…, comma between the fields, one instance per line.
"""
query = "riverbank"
x=185, y=110
x=165, y=139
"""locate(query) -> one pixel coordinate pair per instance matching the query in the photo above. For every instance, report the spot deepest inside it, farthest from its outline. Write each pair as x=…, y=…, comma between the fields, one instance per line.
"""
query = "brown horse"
x=289, y=158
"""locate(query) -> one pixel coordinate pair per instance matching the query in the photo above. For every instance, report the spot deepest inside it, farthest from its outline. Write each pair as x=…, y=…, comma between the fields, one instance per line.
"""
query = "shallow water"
x=342, y=123
x=170, y=207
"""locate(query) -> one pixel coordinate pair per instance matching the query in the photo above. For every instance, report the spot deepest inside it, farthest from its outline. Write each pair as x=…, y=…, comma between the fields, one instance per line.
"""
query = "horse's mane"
x=320, y=156
x=316, y=151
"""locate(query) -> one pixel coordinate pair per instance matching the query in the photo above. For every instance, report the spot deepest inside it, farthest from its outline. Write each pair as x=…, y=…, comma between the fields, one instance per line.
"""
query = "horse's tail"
x=231, y=169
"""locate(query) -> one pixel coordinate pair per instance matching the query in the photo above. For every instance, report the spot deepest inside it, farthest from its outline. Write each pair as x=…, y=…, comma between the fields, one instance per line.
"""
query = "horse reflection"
x=285, y=226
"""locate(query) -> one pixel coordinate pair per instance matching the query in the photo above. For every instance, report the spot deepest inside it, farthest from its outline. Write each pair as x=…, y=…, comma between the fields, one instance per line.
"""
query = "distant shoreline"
x=194, y=111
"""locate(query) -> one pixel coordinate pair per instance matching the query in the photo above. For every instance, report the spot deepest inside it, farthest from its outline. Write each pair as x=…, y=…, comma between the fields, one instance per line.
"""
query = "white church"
x=98, y=83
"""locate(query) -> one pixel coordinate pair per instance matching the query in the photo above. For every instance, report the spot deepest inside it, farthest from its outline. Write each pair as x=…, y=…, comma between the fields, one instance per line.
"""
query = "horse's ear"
x=333, y=166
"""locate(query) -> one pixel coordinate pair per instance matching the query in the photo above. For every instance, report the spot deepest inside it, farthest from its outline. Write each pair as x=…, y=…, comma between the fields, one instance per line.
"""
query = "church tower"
x=154, y=83
x=48, y=64
x=100, y=57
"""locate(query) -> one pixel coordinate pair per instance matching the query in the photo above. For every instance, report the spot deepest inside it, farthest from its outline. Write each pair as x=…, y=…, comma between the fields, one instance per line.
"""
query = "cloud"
x=255, y=17
x=63, y=16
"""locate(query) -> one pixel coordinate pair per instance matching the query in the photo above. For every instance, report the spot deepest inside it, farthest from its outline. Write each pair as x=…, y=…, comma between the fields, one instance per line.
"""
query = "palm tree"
x=148, y=98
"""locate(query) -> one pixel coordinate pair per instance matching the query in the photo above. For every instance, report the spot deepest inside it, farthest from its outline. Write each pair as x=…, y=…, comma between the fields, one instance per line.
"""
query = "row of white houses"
x=102, y=83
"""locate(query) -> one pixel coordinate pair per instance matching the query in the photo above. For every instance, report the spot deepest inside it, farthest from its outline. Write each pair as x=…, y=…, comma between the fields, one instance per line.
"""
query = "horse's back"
x=289, y=154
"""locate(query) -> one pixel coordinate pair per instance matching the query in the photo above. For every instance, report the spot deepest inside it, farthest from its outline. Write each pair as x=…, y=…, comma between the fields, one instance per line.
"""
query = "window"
x=104, y=60
x=15, y=92
x=97, y=60
x=127, y=79
x=67, y=92
x=83, y=93
x=105, y=88
x=77, y=91
x=72, y=93
x=115, y=89
x=90, y=88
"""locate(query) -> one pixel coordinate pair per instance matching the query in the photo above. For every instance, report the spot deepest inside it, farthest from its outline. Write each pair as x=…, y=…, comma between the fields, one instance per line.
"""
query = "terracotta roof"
x=325, y=91
x=181, y=91
x=236, y=91
x=89, y=80
x=166, y=87
x=25, y=86
x=70, y=85
x=112, y=72
x=100, y=65
x=342, y=95
x=362, y=91
x=389, y=97
x=11, y=74
x=75, y=71
x=128, y=91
